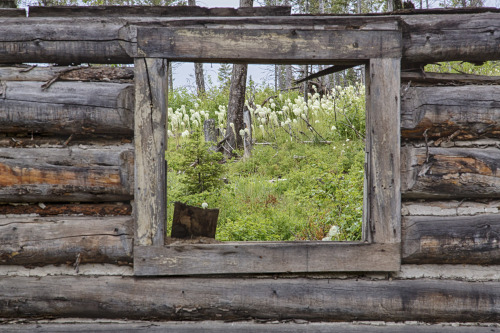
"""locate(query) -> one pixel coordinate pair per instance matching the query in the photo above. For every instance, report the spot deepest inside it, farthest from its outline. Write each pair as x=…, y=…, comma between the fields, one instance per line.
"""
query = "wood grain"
x=468, y=37
x=192, y=299
x=451, y=240
x=265, y=257
x=426, y=38
x=424, y=79
x=67, y=108
x=150, y=142
x=290, y=326
x=63, y=73
x=154, y=11
x=296, y=45
x=450, y=173
x=51, y=209
x=67, y=174
x=42, y=241
x=382, y=183
x=466, y=112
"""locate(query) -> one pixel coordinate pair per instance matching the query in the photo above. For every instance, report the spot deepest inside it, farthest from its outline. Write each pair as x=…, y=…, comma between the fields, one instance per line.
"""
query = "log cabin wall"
x=66, y=186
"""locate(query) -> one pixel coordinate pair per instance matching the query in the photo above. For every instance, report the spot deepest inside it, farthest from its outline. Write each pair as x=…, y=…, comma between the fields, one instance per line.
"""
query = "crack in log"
x=84, y=235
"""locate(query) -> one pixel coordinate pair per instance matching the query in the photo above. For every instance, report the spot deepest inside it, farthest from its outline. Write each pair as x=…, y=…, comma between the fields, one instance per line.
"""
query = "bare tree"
x=235, y=121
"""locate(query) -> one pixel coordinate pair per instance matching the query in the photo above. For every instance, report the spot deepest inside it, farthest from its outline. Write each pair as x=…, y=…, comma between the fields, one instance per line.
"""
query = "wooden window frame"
x=380, y=248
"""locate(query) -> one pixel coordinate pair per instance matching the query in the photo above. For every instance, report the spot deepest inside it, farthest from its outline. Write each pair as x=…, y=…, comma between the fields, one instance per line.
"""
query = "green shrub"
x=201, y=167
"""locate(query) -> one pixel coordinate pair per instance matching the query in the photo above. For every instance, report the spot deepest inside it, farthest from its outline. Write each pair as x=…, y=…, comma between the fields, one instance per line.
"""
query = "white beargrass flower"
x=204, y=205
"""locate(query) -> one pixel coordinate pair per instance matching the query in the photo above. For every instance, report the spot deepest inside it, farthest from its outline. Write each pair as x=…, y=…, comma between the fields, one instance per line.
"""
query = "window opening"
x=303, y=178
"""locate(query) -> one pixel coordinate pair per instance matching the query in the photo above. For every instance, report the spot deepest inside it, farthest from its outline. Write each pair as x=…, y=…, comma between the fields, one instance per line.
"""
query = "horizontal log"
x=64, y=175
x=431, y=79
x=67, y=108
x=265, y=257
x=465, y=112
x=451, y=240
x=449, y=208
x=467, y=37
x=426, y=38
x=62, y=73
x=243, y=298
x=63, y=41
x=292, y=326
x=450, y=173
x=51, y=209
x=58, y=240
x=267, y=45
x=26, y=140
x=161, y=11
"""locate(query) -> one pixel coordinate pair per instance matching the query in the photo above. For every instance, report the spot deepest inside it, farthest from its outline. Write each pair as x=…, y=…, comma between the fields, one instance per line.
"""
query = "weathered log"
x=466, y=112
x=64, y=175
x=449, y=208
x=58, y=240
x=51, y=209
x=425, y=79
x=468, y=37
x=451, y=240
x=292, y=326
x=426, y=38
x=63, y=41
x=382, y=200
x=158, y=11
x=62, y=73
x=150, y=139
x=26, y=140
x=67, y=108
x=240, y=299
x=450, y=173
x=298, y=45
x=266, y=257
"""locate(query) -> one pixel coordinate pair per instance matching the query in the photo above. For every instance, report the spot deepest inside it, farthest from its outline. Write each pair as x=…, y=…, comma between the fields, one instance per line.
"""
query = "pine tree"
x=201, y=166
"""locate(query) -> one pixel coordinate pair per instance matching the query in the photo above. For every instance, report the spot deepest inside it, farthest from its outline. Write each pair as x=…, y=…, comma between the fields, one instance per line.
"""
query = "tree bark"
x=236, y=102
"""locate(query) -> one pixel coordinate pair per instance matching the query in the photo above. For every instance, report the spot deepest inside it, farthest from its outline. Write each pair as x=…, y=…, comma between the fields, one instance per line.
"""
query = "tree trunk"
x=198, y=67
x=236, y=102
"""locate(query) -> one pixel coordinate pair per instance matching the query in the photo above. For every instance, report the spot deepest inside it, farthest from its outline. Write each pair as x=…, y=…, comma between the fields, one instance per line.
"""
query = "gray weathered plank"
x=265, y=257
x=382, y=152
x=450, y=173
x=242, y=298
x=297, y=326
x=451, y=240
x=472, y=110
x=66, y=108
x=58, y=240
x=66, y=174
x=267, y=45
x=150, y=142
x=159, y=11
